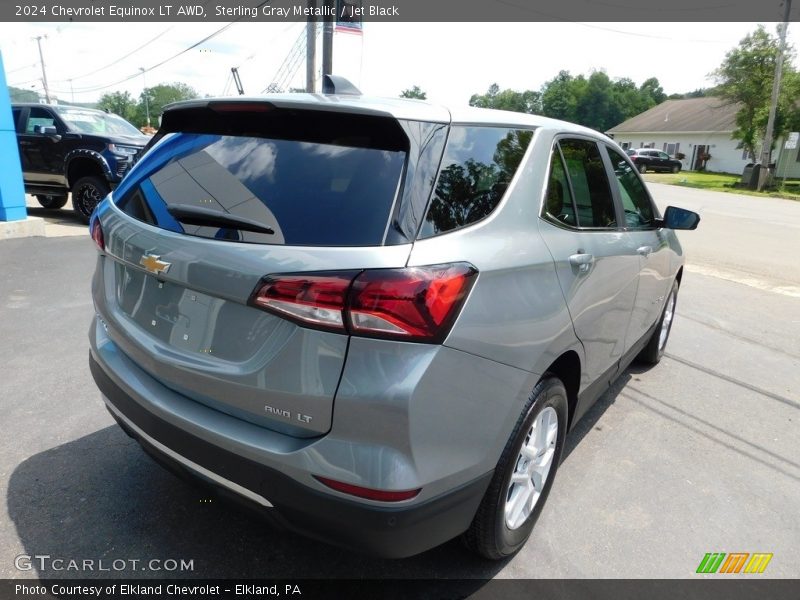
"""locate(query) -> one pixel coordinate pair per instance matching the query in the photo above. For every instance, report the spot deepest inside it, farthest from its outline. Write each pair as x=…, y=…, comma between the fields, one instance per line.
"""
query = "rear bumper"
x=390, y=531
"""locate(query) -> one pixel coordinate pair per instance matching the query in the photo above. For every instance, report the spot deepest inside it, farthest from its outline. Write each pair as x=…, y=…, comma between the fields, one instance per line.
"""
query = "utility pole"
x=766, y=147
x=144, y=92
x=327, y=38
x=311, y=47
x=44, y=74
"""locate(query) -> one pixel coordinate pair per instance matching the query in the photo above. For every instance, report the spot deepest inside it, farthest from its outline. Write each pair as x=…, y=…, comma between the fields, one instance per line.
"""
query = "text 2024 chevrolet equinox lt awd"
x=376, y=320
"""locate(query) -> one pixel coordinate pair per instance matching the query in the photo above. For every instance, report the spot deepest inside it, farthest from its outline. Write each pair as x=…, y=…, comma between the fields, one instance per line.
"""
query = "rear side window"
x=590, y=186
x=478, y=165
x=324, y=189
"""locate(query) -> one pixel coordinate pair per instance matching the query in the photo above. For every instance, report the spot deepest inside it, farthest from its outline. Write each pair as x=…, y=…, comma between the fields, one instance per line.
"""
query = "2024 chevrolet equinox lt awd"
x=375, y=319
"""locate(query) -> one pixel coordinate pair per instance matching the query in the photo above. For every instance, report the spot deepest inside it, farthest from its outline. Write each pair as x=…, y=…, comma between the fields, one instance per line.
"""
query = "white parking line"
x=745, y=279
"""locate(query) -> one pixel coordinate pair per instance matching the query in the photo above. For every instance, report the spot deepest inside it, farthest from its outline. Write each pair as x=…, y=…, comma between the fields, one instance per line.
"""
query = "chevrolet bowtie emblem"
x=152, y=263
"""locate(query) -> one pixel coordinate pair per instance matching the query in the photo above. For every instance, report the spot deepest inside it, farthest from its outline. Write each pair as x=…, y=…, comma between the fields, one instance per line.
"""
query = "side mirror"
x=679, y=218
x=47, y=130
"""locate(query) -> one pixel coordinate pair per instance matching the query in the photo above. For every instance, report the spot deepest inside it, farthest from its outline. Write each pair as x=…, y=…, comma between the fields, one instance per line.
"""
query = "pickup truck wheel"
x=51, y=202
x=87, y=194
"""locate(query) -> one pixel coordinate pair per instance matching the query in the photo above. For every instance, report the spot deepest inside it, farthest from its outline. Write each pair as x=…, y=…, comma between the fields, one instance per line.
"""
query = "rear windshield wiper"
x=204, y=217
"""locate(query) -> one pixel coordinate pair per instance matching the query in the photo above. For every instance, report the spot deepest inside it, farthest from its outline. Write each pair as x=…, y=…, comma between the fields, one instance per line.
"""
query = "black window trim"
x=543, y=214
x=617, y=207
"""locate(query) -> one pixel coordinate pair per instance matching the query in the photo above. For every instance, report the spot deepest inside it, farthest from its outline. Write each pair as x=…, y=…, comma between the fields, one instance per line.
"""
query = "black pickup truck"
x=67, y=149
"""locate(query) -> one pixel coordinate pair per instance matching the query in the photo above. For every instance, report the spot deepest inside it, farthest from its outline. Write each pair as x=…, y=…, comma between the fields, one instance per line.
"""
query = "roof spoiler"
x=335, y=84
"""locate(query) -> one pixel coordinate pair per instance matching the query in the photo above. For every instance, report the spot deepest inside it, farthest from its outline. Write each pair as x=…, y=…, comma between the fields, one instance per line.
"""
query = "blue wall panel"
x=12, y=191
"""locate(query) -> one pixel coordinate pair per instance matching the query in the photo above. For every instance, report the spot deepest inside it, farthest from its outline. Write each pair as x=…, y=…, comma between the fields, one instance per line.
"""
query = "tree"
x=21, y=95
x=158, y=97
x=651, y=90
x=560, y=96
x=746, y=76
x=528, y=101
x=119, y=103
x=596, y=107
x=414, y=92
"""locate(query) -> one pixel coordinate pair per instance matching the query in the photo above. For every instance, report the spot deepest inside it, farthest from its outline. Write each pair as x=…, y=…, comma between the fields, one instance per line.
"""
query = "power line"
x=147, y=70
x=22, y=68
x=165, y=61
x=120, y=59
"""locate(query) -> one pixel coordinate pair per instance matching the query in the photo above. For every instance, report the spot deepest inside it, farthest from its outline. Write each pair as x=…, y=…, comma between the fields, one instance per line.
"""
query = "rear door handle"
x=645, y=250
x=583, y=261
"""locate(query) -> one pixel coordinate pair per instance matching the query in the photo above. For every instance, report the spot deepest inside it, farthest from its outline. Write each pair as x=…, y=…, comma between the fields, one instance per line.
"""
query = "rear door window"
x=318, y=190
x=590, y=185
x=559, y=205
x=478, y=165
x=639, y=213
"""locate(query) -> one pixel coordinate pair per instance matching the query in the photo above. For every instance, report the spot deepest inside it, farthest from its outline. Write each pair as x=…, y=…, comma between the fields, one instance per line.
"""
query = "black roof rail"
x=335, y=84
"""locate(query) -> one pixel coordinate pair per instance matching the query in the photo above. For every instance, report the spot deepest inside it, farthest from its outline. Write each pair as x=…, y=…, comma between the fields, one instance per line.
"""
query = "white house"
x=698, y=128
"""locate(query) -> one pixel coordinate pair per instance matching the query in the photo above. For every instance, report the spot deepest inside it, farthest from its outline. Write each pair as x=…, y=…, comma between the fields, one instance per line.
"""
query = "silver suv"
x=376, y=320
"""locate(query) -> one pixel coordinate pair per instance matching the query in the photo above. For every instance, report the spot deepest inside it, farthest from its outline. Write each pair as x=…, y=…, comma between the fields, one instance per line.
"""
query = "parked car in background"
x=68, y=149
x=647, y=159
x=376, y=319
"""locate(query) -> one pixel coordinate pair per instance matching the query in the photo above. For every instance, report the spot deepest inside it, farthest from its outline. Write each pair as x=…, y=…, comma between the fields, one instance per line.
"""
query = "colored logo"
x=152, y=263
x=735, y=562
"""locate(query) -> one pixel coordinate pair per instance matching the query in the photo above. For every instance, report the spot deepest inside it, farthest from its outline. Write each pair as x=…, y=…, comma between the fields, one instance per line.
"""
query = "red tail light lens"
x=368, y=493
x=313, y=299
x=415, y=304
x=96, y=231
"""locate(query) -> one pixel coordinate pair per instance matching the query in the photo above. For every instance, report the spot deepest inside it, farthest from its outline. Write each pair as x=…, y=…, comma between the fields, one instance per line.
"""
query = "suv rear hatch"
x=229, y=193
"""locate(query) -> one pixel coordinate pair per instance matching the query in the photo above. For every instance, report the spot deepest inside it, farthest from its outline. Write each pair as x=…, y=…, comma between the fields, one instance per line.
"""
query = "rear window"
x=326, y=188
x=478, y=165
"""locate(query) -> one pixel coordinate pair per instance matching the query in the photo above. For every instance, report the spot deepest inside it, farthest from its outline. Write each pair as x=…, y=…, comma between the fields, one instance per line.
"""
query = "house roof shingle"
x=690, y=114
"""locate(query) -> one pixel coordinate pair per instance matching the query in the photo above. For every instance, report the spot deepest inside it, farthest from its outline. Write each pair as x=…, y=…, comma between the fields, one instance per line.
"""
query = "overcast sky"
x=450, y=61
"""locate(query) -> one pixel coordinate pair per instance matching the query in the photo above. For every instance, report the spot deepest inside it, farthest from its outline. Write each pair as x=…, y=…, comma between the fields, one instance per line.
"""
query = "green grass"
x=721, y=182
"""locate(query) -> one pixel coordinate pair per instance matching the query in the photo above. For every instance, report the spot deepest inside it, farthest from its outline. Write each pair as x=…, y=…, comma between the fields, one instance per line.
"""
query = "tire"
x=51, y=202
x=652, y=353
x=642, y=169
x=494, y=534
x=87, y=194
x=676, y=169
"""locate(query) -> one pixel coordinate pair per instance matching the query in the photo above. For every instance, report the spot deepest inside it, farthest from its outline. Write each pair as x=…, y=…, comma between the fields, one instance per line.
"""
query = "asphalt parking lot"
x=699, y=454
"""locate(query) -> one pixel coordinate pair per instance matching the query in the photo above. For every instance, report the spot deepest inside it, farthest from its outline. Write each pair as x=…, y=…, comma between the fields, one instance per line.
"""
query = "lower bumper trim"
x=185, y=462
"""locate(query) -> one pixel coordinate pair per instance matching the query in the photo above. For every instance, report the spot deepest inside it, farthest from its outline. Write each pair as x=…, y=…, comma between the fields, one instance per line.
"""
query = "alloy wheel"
x=532, y=469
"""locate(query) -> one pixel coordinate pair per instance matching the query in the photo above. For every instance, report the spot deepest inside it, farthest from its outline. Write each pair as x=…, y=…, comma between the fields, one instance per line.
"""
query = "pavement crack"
x=729, y=379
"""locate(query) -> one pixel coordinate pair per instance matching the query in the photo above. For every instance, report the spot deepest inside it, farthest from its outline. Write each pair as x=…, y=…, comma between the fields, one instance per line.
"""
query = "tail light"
x=368, y=493
x=312, y=299
x=96, y=231
x=415, y=303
